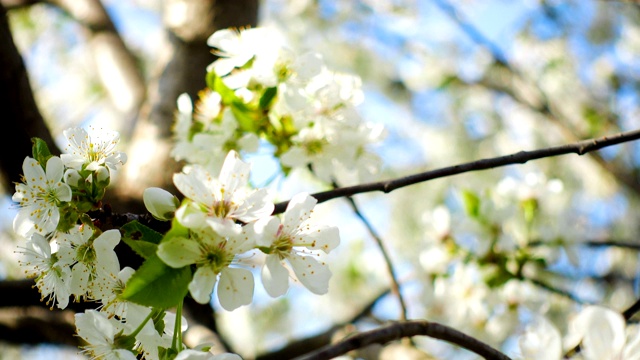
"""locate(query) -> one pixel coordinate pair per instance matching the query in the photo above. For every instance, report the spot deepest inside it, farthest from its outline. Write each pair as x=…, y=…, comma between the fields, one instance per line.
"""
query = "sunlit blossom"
x=213, y=256
x=92, y=151
x=295, y=241
x=219, y=203
x=40, y=197
x=52, y=275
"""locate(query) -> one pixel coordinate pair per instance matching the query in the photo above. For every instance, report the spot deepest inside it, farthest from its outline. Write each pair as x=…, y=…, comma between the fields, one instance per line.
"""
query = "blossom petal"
x=603, y=332
x=234, y=173
x=541, y=341
x=312, y=274
x=179, y=252
x=235, y=288
x=298, y=211
x=325, y=238
x=201, y=286
x=263, y=231
x=275, y=277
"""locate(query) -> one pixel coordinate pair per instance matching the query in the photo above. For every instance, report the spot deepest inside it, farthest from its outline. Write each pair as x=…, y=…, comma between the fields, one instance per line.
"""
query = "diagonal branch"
x=398, y=330
x=395, y=287
x=521, y=157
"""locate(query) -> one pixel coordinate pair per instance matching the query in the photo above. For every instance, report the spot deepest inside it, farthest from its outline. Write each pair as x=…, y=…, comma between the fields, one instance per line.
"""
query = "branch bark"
x=398, y=330
x=580, y=148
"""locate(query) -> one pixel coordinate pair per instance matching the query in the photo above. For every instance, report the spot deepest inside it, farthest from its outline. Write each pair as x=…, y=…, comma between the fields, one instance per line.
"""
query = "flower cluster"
x=259, y=89
x=218, y=222
x=222, y=228
x=70, y=257
x=224, y=219
x=600, y=332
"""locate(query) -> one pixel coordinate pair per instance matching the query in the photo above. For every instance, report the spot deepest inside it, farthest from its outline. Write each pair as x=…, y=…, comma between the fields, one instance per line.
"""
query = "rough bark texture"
x=21, y=118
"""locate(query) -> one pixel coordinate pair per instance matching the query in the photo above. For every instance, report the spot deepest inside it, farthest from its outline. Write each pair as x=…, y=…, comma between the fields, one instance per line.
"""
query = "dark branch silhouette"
x=521, y=157
x=398, y=330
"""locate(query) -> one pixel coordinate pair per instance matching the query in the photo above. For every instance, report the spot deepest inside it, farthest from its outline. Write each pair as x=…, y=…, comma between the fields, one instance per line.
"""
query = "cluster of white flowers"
x=260, y=89
x=226, y=219
x=601, y=333
x=71, y=257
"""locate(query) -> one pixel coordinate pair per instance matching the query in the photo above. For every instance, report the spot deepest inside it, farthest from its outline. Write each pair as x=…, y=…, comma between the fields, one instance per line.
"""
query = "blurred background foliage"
x=452, y=81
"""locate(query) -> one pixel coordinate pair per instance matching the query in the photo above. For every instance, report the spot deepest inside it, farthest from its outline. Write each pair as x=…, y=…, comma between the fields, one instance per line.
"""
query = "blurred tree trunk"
x=181, y=69
x=21, y=118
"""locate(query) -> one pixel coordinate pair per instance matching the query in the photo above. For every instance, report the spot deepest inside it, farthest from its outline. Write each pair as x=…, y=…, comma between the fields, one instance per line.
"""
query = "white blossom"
x=295, y=241
x=92, y=151
x=40, y=197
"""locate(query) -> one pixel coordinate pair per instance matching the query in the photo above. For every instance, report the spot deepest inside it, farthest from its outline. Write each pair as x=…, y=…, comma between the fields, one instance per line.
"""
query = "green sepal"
x=141, y=239
x=40, y=151
x=158, y=321
x=156, y=284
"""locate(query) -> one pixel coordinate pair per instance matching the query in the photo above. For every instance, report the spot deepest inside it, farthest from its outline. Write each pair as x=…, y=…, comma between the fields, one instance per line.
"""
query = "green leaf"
x=177, y=230
x=267, y=97
x=227, y=94
x=244, y=116
x=471, y=203
x=141, y=239
x=156, y=284
x=40, y=151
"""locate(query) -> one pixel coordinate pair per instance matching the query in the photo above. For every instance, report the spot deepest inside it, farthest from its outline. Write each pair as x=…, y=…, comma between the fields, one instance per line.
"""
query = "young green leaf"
x=40, y=150
x=141, y=239
x=471, y=203
x=156, y=284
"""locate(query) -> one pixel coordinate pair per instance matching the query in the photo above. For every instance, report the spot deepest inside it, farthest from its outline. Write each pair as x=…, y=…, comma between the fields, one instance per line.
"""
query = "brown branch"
x=16, y=4
x=304, y=346
x=395, y=287
x=398, y=330
x=580, y=148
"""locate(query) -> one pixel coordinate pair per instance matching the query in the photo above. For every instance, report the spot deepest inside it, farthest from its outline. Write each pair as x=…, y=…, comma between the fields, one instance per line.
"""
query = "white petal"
x=55, y=169
x=22, y=223
x=235, y=288
x=179, y=252
x=603, y=330
x=298, y=210
x=311, y=273
x=201, y=286
x=325, y=238
x=263, y=231
x=275, y=277
x=33, y=172
x=541, y=341
x=234, y=174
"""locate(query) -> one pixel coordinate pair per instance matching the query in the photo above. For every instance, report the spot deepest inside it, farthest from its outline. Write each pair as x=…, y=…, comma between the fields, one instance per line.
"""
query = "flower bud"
x=160, y=203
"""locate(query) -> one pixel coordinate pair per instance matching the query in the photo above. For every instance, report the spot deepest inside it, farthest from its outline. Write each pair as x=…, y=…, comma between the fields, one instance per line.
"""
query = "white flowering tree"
x=266, y=211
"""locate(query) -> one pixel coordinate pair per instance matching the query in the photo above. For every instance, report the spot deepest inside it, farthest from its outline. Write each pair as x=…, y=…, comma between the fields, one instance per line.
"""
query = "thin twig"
x=580, y=148
x=589, y=243
x=395, y=287
x=401, y=329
